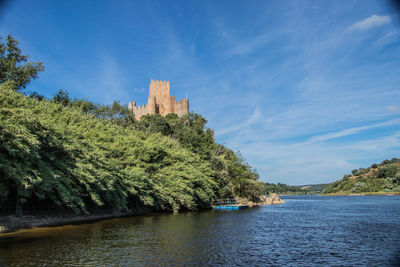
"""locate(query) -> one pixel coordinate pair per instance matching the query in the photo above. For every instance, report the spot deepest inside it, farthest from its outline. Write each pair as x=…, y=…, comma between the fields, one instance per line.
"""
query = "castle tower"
x=151, y=107
x=159, y=88
x=160, y=102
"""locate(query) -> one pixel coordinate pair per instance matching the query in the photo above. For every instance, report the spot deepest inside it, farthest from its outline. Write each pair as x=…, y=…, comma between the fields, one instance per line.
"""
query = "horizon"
x=306, y=92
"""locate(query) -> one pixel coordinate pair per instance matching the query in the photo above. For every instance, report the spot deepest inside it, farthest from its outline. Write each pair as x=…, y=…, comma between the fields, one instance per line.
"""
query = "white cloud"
x=370, y=22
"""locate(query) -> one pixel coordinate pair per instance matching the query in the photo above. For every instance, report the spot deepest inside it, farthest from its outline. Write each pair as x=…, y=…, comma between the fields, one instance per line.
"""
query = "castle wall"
x=182, y=107
x=160, y=102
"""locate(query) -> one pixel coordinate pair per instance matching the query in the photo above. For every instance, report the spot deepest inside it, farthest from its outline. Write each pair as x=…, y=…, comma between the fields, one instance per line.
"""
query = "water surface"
x=306, y=230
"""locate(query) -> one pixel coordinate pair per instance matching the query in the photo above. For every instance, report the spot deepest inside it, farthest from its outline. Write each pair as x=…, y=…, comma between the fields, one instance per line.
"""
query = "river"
x=306, y=230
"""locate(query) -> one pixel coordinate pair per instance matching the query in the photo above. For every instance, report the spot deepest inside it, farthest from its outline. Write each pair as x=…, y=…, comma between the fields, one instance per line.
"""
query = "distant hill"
x=284, y=189
x=383, y=177
x=317, y=188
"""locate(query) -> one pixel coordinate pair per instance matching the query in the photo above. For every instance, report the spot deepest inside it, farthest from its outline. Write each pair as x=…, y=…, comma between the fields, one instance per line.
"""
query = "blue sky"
x=306, y=90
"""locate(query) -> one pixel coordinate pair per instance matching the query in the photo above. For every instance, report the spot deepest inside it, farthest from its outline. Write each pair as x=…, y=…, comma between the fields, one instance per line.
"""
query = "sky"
x=305, y=90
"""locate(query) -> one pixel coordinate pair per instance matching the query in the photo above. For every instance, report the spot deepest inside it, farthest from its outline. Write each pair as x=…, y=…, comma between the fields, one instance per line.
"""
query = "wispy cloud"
x=247, y=46
x=351, y=131
x=254, y=118
x=319, y=162
x=388, y=38
x=331, y=95
x=369, y=23
x=107, y=80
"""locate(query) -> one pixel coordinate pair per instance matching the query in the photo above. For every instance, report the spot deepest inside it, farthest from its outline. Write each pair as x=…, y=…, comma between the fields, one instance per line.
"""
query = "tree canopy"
x=14, y=66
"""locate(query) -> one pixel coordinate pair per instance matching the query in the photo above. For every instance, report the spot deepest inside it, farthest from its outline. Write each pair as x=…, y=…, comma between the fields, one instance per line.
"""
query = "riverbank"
x=11, y=223
x=363, y=194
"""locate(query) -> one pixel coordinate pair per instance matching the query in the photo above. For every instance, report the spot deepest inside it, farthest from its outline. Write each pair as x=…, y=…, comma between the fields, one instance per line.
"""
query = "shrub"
x=358, y=187
x=388, y=171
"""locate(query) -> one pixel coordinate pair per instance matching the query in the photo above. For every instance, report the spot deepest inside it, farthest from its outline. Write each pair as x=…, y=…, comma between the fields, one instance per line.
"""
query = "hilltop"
x=378, y=178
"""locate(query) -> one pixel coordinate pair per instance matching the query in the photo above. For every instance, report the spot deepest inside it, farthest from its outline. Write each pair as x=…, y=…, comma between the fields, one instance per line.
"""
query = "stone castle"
x=160, y=102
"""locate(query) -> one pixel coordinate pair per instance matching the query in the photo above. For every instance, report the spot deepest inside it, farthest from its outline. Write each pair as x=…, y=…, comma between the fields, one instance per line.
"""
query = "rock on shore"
x=273, y=199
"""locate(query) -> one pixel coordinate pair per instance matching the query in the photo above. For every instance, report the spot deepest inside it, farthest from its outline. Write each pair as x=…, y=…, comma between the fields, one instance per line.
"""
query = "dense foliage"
x=285, y=189
x=57, y=153
x=383, y=177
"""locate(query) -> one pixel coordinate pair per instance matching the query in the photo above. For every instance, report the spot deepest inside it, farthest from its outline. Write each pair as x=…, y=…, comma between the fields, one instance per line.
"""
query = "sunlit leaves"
x=83, y=157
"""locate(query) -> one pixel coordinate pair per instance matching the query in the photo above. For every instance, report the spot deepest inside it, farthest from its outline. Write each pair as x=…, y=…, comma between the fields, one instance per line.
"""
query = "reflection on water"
x=307, y=230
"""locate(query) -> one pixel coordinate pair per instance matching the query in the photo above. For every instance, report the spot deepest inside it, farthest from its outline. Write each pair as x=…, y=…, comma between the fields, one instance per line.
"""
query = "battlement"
x=160, y=102
x=159, y=88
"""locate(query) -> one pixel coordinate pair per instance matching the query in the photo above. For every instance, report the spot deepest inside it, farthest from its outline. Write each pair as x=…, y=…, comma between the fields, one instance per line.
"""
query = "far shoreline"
x=362, y=194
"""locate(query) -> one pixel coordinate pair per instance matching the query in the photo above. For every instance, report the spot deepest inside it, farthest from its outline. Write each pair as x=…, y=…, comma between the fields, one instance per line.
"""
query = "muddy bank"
x=11, y=223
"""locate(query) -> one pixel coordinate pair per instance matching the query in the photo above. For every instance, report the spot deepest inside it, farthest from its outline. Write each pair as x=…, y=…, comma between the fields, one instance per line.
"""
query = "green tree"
x=154, y=124
x=36, y=95
x=14, y=66
x=62, y=97
x=387, y=171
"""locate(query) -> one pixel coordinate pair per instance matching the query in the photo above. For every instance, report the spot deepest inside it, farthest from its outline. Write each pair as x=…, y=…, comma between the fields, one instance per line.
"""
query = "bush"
x=346, y=177
x=388, y=171
x=392, y=185
x=359, y=187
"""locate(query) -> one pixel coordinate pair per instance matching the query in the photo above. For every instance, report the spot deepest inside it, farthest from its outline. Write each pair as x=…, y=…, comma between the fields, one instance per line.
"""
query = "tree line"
x=285, y=189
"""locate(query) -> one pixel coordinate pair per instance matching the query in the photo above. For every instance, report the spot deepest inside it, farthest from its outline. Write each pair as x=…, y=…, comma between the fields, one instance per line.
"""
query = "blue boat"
x=230, y=207
x=228, y=204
